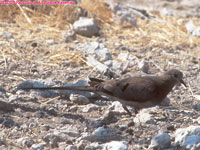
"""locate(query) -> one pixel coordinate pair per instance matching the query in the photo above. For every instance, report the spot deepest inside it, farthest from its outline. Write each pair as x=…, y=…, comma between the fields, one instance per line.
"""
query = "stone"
x=6, y=106
x=166, y=12
x=196, y=107
x=25, y=142
x=196, y=32
x=190, y=27
x=116, y=145
x=50, y=42
x=89, y=47
x=191, y=140
x=91, y=61
x=52, y=140
x=86, y=27
x=79, y=99
x=161, y=141
x=82, y=82
x=73, y=108
x=117, y=107
x=13, y=98
x=144, y=118
x=181, y=134
x=39, y=83
x=102, y=134
x=8, y=122
x=103, y=54
x=39, y=146
x=89, y=108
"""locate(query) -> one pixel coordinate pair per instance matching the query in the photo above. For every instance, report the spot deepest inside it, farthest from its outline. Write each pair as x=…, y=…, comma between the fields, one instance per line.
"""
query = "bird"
x=138, y=92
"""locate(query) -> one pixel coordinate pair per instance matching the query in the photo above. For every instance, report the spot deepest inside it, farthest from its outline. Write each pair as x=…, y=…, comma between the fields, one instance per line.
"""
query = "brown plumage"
x=138, y=92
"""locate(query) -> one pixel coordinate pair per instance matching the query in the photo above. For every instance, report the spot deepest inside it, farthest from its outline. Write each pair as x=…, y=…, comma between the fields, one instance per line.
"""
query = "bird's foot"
x=126, y=109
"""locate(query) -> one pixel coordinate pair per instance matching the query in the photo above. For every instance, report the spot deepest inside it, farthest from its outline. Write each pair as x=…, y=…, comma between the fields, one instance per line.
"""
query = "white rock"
x=13, y=98
x=86, y=27
x=98, y=49
x=181, y=134
x=116, y=145
x=73, y=108
x=95, y=63
x=39, y=146
x=101, y=131
x=117, y=107
x=166, y=12
x=50, y=42
x=78, y=83
x=161, y=141
x=52, y=139
x=123, y=56
x=116, y=65
x=89, y=48
x=102, y=134
x=94, y=146
x=79, y=99
x=144, y=117
x=103, y=54
x=66, y=131
x=150, y=110
x=25, y=142
x=89, y=108
x=190, y=26
x=39, y=83
x=196, y=32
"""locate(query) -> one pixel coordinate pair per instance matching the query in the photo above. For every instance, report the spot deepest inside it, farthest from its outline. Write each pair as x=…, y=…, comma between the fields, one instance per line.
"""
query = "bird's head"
x=176, y=75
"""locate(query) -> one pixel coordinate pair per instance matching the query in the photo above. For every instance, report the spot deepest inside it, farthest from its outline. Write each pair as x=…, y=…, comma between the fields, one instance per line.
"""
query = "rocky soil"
x=69, y=120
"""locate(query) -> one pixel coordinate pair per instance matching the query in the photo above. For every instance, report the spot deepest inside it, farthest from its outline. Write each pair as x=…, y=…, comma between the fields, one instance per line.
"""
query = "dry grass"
x=48, y=21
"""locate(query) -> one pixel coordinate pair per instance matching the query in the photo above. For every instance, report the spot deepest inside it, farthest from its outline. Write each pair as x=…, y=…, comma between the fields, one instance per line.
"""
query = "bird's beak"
x=183, y=83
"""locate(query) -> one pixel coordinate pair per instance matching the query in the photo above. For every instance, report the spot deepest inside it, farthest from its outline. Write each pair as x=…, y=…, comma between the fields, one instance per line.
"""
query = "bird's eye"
x=175, y=75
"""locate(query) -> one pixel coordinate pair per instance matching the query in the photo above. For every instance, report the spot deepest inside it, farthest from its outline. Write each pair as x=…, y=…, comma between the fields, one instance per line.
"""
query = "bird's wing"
x=131, y=89
x=95, y=81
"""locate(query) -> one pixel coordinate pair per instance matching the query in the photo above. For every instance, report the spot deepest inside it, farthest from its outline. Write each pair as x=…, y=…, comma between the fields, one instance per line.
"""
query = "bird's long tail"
x=73, y=88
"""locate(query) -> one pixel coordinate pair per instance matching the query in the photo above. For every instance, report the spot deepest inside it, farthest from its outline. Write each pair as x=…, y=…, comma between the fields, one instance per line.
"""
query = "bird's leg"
x=136, y=112
x=126, y=109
